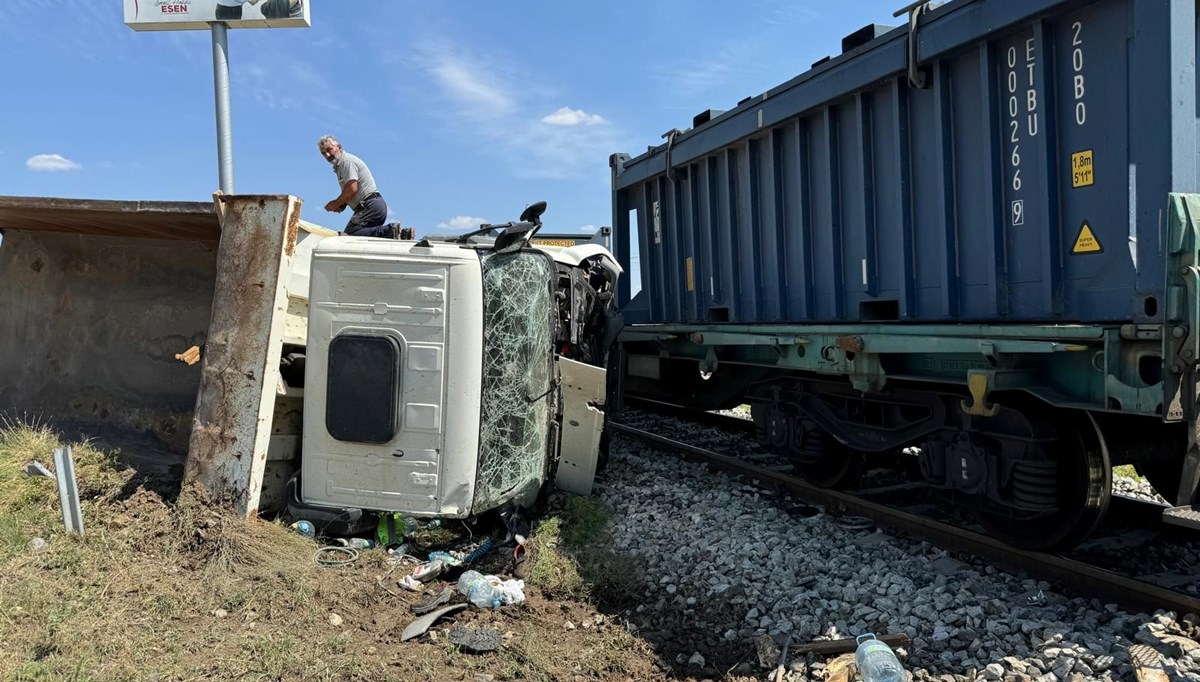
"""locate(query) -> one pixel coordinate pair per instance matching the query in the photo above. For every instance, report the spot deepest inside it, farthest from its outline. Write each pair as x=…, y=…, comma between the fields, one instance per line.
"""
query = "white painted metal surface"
x=308, y=235
x=574, y=255
x=430, y=300
x=583, y=389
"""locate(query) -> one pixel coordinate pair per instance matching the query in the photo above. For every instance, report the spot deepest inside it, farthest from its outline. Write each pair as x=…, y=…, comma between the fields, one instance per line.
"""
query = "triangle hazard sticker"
x=1086, y=242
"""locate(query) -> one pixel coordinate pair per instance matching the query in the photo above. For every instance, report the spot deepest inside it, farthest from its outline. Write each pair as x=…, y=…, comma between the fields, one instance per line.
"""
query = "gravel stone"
x=727, y=567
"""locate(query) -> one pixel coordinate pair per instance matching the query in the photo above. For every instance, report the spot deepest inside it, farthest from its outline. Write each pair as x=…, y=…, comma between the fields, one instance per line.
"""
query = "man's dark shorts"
x=226, y=13
x=281, y=9
x=369, y=219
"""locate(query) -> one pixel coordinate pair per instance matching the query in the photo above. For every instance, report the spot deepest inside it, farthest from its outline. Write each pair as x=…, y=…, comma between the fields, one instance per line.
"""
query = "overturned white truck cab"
x=449, y=377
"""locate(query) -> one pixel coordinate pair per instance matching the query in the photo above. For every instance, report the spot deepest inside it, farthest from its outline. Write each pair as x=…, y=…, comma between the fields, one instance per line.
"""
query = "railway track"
x=1078, y=576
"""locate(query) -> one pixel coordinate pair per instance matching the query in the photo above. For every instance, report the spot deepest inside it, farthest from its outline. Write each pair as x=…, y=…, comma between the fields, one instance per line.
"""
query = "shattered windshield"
x=516, y=409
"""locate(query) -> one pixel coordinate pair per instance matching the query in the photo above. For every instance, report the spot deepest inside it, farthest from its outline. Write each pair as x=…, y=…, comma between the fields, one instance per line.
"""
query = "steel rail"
x=1080, y=577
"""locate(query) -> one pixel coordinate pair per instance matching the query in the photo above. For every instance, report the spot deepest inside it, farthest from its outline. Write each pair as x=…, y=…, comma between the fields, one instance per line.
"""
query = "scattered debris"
x=488, y=591
x=335, y=620
x=355, y=543
x=421, y=625
x=220, y=613
x=848, y=645
x=1147, y=664
x=304, y=528
x=841, y=669
x=335, y=557
x=39, y=545
x=1176, y=646
x=428, y=571
x=433, y=600
x=191, y=356
x=781, y=668
x=475, y=640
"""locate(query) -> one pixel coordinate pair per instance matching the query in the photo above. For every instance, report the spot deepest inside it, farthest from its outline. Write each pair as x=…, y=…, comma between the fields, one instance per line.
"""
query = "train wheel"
x=1084, y=489
x=827, y=463
x=840, y=473
x=817, y=457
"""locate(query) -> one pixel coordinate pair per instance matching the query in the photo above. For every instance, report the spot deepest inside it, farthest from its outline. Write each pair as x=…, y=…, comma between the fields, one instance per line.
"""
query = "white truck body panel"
x=428, y=300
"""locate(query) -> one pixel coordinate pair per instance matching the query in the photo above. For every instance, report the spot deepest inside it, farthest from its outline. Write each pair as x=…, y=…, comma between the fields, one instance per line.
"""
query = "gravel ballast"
x=727, y=565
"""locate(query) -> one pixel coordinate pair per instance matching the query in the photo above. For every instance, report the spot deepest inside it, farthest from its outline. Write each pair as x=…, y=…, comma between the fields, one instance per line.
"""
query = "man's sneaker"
x=393, y=231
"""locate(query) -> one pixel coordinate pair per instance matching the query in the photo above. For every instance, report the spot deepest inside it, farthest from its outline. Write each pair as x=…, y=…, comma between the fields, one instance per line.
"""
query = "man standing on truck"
x=358, y=192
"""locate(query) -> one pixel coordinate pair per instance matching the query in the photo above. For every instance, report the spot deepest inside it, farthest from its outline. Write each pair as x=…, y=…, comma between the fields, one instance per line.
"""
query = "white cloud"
x=296, y=86
x=462, y=222
x=471, y=84
x=567, y=116
x=486, y=100
x=588, y=228
x=49, y=163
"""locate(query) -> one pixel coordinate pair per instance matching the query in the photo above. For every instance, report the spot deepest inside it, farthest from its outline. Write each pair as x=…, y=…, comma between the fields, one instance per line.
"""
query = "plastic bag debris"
x=488, y=591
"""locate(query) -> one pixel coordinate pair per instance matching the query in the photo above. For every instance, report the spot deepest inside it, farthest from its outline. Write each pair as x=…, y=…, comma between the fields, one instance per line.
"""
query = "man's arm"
x=348, y=191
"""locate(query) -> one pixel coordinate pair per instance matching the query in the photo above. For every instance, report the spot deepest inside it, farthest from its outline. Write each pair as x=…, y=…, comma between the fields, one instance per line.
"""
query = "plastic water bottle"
x=478, y=589
x=876, y=661
x=304, y=528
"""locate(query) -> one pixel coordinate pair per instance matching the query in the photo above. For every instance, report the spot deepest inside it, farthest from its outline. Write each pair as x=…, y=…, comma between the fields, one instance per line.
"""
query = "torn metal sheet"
x=583, y=388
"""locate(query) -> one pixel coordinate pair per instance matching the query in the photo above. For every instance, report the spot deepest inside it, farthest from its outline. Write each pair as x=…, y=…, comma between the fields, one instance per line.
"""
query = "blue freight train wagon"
x=973, y=233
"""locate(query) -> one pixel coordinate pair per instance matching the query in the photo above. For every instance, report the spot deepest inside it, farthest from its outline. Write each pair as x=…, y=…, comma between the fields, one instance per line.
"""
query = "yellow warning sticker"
x=553, y=242
x=1086, y=242
x=691, y=276
x=1082, y=172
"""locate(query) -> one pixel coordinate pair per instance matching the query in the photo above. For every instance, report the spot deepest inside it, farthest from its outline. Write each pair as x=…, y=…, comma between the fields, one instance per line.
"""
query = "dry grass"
x=137, y=598
x=571, y=559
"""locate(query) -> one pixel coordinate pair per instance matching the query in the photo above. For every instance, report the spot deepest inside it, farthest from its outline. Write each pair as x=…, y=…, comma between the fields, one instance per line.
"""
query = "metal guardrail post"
x=68, y=491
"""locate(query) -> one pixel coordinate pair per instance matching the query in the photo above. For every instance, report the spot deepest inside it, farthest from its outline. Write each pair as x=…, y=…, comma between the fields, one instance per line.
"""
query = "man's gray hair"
x=327, y=140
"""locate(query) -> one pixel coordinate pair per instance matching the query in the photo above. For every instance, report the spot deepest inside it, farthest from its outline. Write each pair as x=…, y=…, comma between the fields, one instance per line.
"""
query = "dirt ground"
x=164, y=587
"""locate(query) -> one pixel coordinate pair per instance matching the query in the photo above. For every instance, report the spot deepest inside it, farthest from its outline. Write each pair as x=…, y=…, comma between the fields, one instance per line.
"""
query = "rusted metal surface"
x=231, y=426
x=184, y=220
x=1093, y=581
x=854, y=344
x=293, y=228
x=90, y=326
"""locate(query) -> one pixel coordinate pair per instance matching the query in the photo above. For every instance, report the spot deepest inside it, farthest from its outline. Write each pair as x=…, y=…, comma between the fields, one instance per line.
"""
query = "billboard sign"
x=182, y=15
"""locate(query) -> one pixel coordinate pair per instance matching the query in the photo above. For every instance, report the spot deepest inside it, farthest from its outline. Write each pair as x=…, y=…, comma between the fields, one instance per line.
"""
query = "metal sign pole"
x=220, y=43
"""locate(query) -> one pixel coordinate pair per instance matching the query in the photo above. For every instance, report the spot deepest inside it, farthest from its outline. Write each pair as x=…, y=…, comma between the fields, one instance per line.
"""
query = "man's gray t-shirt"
x=350, y=167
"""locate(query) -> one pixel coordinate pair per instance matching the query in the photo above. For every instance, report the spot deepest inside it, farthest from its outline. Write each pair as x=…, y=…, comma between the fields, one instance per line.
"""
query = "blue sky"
x=464, y=111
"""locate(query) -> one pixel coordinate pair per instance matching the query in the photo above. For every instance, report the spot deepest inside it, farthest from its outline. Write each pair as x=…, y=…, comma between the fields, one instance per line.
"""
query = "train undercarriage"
x=1027, y=458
